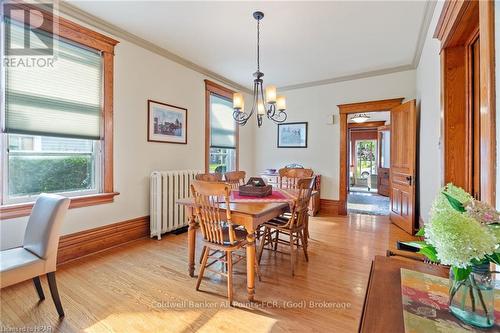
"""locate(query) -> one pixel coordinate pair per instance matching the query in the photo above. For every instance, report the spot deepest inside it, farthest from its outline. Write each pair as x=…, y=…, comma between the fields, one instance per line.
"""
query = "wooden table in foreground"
x=249, y=215
x=383, y=308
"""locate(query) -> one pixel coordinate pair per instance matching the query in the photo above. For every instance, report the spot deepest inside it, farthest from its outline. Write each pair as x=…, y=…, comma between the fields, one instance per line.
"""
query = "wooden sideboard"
x=314, y=206
x=384, y=287
x=271, y=179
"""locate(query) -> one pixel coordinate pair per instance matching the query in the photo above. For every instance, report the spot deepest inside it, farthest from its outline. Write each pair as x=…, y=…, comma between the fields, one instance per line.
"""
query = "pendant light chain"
x=258, y=45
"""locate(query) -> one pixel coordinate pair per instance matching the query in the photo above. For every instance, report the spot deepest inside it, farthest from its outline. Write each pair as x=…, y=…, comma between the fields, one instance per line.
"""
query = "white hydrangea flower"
x=458, y=238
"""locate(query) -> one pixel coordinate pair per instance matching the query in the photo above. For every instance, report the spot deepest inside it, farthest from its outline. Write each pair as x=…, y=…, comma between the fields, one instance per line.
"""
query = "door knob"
x=409, y=179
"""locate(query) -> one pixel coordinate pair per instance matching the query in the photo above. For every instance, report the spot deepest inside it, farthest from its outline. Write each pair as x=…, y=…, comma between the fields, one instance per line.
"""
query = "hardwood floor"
x=144, y=287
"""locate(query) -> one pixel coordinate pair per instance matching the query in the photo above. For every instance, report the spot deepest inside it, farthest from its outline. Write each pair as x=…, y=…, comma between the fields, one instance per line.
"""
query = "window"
x=222, y=132
x=366, y=152
x=56, y=133
x=47, y=164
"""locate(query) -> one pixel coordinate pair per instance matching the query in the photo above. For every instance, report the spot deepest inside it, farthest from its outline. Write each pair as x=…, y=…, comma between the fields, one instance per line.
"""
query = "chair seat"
x=277, y=222
x=280, y=223
x=19, y=264
x=240, y=238
x=240, y=234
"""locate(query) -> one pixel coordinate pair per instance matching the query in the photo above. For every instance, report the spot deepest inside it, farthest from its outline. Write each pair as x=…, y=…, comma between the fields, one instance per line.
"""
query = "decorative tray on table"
x=255, y=187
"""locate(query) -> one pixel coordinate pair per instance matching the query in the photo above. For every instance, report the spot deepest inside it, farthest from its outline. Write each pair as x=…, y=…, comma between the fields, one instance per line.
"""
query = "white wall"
x=141, y=75
x=314, y=105
x=429, y=104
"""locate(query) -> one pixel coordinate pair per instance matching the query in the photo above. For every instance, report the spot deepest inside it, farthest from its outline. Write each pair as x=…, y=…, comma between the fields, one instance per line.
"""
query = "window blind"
x=222, y=124
x=61, y=100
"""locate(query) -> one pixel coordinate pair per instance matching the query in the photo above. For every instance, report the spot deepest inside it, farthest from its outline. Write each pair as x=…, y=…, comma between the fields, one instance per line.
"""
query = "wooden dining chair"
x=220, y=237
x=235, y=178
x=209, y=177
x=306, y=228
x=293, y=225
x=289, y=177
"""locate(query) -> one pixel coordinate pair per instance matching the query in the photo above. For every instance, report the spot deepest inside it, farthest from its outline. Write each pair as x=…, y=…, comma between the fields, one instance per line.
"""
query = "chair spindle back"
x=289, y=177
x=209, y=177
x=208, y=196
x=300, y=211
x=235, y=178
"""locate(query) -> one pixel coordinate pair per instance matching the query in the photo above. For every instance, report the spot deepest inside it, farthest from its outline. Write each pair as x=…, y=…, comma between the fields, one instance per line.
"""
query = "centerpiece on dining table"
x=255, y=187
x=464, y=233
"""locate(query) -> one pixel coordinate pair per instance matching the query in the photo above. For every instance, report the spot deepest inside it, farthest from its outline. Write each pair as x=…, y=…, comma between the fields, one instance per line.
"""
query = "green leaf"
x=430, y=252
x=420, y=233
x=461, y=274
x=475, y=261
x=457, y=205
x=495, y=257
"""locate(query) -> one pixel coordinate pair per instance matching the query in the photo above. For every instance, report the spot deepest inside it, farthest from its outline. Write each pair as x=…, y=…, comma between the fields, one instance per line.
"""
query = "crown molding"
x=430, y=7
x=76, y=13
x=350, y=77
x=424, y=28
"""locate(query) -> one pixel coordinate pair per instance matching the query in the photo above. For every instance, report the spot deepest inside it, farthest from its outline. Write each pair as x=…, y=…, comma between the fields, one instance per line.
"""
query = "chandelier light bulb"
x=281, y=103
x=261, y=109
x=238, y=101
x=271, y=94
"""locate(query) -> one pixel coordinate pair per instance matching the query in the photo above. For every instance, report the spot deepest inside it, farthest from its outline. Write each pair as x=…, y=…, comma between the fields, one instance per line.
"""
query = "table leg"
x=251, y=266
x=191, y=244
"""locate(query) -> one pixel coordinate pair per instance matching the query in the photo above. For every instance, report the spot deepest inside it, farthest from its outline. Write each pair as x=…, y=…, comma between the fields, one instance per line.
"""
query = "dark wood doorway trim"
x=458, y=28
x=344, y=111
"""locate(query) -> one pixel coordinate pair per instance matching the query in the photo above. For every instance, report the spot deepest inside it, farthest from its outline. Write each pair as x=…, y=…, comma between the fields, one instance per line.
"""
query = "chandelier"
x=272, y=106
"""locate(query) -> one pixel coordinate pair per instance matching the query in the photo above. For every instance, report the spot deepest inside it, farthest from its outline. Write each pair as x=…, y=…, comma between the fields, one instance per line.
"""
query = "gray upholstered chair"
x=38, y=254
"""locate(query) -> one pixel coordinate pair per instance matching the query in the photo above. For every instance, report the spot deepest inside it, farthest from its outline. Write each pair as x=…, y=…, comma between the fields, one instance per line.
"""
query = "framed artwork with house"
x=166, y=123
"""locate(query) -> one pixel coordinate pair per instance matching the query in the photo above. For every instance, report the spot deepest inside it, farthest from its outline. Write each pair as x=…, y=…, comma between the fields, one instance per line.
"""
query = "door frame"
x=344, y=111
x=458, y=25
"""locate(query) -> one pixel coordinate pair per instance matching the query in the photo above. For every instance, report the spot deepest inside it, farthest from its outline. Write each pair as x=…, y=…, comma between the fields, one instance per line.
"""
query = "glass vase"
x=472, y=299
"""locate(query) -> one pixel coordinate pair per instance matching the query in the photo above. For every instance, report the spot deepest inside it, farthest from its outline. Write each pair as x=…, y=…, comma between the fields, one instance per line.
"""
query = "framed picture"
x=292, y=135
x=166, y=123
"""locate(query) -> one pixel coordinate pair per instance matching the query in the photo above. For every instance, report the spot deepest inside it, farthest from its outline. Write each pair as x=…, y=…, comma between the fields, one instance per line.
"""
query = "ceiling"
x=301, y=42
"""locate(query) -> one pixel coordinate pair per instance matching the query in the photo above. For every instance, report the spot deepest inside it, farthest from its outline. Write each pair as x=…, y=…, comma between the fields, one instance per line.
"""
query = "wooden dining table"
x=247, y=214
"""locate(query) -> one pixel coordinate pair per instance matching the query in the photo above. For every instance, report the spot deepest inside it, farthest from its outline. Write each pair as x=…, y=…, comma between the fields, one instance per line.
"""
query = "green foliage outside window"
x=365, y=157
x=37, y=174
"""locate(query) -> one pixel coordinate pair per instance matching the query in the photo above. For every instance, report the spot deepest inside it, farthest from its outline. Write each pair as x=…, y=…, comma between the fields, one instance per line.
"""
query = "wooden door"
x=383, y=181
x=383, y=174
x=403, y=165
